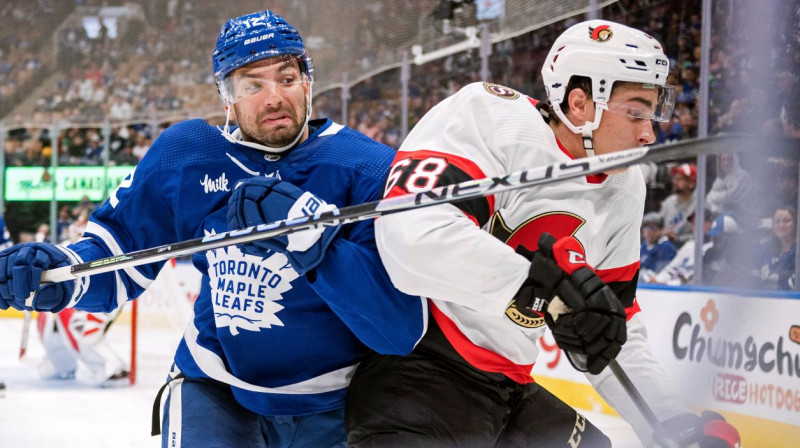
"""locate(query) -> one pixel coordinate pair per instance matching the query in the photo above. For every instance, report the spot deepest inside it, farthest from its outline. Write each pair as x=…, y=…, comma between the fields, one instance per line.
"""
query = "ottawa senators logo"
x=558, y=224
x=504, y=92
x=523, y=316
x=601, y=33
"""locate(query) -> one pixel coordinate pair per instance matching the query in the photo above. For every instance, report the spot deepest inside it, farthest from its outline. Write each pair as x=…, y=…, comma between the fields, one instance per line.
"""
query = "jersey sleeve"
x=619, y=267
x=354, y=283
x=135, y=216
x=441, y=251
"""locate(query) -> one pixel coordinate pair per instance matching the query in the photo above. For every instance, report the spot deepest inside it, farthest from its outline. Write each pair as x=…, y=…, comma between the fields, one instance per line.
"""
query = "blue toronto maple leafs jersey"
x=287, y=344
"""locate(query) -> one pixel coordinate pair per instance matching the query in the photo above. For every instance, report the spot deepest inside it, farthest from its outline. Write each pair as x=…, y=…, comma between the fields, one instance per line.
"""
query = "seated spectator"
x=777, y=261
x=722, y=263
x=141, y=145
x=680, y=271
x=791, y=119
x=42, y=233
x=75, y=230
x=25, y=237
x=63, y=223
x=5, y=236
x=75, y=148
x=125, y=157
x=781, y=188
x=676, y=207
x=120, y=109
x=733, y=191
x=669, y=131
x=94, y=150
x=84, y=206
x=657, y=250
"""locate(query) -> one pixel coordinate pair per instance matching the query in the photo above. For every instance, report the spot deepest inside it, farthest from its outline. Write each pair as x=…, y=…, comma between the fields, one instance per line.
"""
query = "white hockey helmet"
x=606, y=52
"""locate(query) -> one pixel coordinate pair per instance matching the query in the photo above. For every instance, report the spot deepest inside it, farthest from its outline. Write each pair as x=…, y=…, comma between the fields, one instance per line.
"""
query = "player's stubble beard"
x=275, y=137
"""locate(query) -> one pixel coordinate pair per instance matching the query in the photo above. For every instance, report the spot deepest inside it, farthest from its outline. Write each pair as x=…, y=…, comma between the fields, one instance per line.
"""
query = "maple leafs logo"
x=246, y=289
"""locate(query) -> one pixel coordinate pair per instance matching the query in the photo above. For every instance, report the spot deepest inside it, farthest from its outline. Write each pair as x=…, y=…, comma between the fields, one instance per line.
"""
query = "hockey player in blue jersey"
x=280, y=325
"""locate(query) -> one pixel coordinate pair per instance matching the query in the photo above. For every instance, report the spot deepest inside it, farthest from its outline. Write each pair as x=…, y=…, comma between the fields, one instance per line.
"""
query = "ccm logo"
x=576, y=257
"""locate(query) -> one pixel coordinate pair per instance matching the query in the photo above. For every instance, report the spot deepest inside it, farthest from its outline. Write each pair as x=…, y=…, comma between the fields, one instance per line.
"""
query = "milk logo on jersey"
x=501, y=91
x=214, y=185
x=246, y=289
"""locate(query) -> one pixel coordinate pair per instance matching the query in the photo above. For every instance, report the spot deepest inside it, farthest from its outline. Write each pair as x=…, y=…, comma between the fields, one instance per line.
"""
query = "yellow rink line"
x=11, y=313
x=755, y=432
x=123, y=318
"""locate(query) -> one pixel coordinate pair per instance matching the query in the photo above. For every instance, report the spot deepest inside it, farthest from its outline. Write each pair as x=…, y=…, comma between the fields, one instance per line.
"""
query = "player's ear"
x=577, y=101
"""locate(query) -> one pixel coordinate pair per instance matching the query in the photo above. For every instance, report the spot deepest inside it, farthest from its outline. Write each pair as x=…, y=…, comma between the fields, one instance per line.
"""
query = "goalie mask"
x=607, y=53
x=251, y=38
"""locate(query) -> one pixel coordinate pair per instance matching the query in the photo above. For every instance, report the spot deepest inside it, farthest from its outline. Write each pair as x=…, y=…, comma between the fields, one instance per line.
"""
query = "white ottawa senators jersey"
x=462, y=256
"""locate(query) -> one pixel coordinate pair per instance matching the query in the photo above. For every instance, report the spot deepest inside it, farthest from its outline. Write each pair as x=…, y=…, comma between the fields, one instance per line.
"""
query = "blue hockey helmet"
x=254, y=37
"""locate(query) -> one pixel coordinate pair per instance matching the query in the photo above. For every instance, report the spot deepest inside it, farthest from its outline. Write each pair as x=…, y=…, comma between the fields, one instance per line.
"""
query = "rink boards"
x=737, y=353
x=732, y=352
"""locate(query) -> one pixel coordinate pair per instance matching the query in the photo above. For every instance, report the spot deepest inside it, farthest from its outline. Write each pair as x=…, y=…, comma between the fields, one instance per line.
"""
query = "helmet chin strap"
x=588, y=142
x=588, y=128
x=585, y=130
x=236, y=136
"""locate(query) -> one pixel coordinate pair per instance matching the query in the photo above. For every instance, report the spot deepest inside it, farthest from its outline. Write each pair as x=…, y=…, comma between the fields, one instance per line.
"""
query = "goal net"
x=152, y=325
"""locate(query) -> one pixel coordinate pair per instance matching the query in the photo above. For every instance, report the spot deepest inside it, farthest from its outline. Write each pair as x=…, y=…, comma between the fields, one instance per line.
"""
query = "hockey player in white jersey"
x=279, y=326
x=490, y=265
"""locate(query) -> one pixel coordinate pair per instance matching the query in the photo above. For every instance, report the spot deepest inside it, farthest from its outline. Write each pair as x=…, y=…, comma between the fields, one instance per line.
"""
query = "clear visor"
x=274, y=74
x=651, y=102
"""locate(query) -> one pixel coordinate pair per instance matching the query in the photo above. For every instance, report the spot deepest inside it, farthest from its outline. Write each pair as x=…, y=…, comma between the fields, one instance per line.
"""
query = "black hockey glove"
x=586, y=317
x=708, y=430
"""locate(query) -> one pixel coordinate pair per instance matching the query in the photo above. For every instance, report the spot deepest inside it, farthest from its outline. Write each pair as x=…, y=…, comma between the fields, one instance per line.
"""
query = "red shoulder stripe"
x=620, y=274
x=421, y=170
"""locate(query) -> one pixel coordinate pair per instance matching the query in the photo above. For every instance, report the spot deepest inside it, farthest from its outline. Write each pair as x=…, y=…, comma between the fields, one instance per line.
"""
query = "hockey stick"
x=440, y=195
x=26, y=330
x=660, y=434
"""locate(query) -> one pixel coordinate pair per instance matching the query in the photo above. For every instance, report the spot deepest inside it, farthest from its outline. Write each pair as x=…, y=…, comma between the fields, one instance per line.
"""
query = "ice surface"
x=64, y=414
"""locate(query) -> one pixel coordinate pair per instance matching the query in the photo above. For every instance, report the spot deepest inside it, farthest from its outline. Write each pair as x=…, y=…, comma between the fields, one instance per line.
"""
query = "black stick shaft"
x=660, y=434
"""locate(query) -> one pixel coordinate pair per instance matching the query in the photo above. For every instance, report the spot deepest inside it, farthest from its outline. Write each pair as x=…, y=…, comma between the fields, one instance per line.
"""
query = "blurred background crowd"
x=80, y=76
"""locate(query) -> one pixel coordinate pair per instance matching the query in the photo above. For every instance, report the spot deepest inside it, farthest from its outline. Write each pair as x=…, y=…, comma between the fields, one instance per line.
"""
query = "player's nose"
x=646, y=135
x=270, y=95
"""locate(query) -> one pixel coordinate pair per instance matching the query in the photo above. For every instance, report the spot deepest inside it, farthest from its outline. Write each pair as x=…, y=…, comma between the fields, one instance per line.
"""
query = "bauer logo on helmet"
x=259, y=38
